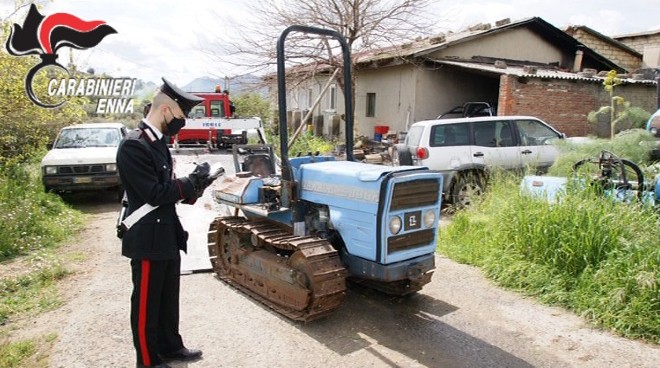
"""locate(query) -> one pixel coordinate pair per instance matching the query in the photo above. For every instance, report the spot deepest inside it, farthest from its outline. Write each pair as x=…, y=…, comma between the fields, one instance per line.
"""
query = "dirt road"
x=459, y=320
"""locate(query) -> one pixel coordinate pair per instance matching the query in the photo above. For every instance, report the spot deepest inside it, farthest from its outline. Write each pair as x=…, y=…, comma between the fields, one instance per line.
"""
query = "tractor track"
x=317, y=285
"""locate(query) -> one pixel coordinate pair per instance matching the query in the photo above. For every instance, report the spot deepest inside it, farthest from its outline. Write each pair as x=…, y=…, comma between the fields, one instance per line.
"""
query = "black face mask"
x=175, y=125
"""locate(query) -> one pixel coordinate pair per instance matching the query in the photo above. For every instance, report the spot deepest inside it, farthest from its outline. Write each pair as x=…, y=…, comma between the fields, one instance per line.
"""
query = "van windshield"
x=88, y=137
x=414, y=136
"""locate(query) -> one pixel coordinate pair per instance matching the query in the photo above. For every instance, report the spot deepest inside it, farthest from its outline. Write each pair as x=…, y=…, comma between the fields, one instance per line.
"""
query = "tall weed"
x=586, y=252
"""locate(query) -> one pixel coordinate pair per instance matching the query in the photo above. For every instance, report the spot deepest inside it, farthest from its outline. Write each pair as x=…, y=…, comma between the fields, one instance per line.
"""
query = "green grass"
x=588, y=253
x=32, y=293
x=31, y=219
x=14, y=354
x=31, y=352
x=32, y=224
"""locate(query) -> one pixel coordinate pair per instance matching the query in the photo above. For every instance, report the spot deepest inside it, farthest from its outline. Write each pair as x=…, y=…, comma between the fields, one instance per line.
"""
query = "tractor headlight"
x=111, y=167
x=395, y=224
x=429, y=218
x=50, y=170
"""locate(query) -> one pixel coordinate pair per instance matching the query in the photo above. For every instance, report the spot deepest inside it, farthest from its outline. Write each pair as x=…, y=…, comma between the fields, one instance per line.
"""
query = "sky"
x=158, y=38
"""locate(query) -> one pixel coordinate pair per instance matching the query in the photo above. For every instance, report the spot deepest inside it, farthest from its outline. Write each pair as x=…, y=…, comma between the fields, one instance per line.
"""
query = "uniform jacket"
x=145, y=169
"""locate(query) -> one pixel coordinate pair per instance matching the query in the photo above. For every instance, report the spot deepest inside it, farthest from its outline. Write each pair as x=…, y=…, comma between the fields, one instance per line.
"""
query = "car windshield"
x=414, y=136
x=88, y=137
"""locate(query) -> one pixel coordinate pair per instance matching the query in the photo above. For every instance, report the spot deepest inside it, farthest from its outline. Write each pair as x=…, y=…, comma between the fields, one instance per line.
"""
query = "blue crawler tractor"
x=302, y=233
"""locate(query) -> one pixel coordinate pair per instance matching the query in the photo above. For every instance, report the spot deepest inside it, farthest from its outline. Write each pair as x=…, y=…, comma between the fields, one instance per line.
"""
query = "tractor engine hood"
x=354, y=183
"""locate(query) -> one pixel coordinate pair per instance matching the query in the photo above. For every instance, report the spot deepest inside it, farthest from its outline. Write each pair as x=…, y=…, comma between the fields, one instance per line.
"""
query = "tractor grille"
x=80, y=169
x=410, y=240
x=416, y=193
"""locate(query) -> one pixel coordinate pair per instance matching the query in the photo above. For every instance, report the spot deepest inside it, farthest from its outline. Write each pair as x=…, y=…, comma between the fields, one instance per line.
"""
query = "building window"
x=333, y=97
x=371, y=105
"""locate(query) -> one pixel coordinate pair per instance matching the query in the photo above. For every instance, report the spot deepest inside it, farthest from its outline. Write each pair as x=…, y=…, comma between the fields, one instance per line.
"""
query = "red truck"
x=212, y=124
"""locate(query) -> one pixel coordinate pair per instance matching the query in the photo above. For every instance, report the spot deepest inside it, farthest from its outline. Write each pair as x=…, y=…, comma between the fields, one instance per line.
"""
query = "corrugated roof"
x=638, y=34
x=541, y=73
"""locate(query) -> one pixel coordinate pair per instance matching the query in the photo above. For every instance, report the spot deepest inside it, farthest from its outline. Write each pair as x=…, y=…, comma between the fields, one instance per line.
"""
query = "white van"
x=464, y=149
x=84, y=157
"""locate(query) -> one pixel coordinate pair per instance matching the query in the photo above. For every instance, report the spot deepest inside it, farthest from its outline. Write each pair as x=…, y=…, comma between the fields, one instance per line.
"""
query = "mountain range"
x=236, y=85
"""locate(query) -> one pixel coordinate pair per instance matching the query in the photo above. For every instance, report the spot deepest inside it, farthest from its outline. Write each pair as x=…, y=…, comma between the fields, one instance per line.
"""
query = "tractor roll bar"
x=281, y=93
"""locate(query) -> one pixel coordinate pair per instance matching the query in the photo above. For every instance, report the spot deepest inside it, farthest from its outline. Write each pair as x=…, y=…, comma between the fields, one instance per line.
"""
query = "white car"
x=464, y=149
x=84, y=157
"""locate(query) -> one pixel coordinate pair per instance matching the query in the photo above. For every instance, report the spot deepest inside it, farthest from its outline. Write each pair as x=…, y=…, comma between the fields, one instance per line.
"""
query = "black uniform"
x=153, y=243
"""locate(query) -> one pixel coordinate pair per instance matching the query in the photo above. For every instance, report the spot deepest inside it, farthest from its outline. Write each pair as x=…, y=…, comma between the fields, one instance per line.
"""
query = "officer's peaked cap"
x=185, y=100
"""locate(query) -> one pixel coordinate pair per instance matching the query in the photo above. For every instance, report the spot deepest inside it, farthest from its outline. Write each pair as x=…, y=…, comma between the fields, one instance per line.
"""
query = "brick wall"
x=565, y=104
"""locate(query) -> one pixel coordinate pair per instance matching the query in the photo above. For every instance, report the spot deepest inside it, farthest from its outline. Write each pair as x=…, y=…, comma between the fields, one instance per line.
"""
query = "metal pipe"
x=281, y=93
x=577, y=63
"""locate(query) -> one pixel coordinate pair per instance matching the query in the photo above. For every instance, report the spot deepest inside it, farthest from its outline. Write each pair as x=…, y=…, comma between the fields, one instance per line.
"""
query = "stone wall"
x=618, y=55
x=639, y=42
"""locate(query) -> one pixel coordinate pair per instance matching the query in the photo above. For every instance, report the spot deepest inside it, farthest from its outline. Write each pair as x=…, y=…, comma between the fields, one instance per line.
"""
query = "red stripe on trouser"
x=142, y=314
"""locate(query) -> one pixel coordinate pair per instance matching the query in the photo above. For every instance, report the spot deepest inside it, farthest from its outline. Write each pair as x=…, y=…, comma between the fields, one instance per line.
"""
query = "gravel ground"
x=459, y=320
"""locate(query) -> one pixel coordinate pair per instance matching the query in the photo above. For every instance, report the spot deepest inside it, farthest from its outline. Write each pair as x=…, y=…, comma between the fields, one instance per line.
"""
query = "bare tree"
x=365, y=24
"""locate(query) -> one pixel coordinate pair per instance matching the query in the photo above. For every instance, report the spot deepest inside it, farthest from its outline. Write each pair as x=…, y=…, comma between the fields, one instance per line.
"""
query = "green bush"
x=634, y=145
x=304, y=144
x=591, y=254
x=30, y=218
x=252, y=104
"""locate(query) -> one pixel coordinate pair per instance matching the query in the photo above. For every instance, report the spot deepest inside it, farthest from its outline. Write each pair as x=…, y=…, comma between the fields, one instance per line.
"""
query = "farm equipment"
x=304, y=232
x=612, y=176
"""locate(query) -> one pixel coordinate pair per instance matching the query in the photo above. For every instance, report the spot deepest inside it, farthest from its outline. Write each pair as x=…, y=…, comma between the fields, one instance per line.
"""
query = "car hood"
x=80, y=156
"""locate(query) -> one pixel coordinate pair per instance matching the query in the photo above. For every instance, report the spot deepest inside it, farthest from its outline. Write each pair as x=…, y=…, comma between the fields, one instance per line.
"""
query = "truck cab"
x=215, y=105
x=212, y=124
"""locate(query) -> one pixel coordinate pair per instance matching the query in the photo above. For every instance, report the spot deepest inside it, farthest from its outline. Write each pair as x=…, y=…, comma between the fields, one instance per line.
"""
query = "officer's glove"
x=200, y=178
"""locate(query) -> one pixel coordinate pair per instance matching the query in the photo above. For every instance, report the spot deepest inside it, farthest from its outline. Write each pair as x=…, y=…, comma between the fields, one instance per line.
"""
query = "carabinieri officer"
x=154, y=241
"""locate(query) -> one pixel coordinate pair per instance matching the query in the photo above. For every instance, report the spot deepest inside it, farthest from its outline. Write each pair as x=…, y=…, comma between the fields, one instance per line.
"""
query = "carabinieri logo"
x=43, y=36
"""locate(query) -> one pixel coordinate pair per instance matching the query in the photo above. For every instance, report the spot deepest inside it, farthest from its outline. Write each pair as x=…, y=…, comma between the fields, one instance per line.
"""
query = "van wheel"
x=466, y=189
x=401, y=155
